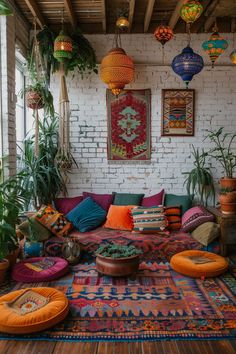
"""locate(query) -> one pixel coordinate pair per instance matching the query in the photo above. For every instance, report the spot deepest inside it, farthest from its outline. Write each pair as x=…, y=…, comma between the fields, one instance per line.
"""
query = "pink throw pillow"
x=154, y=200
x=104, y=200
x=195, y=217
x=64, y=205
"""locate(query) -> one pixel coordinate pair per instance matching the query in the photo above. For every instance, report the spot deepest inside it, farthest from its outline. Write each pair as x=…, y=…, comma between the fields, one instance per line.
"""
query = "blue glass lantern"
x=187, y=64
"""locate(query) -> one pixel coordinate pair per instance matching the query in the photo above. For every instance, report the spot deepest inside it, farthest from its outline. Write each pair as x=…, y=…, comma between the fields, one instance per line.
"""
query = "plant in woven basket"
x=38, y=96
x=117, y=251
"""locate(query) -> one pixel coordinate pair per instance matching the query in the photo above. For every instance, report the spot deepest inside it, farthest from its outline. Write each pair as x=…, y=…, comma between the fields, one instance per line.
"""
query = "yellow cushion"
x=206, y=233
x=47, y=316
x=197, y=264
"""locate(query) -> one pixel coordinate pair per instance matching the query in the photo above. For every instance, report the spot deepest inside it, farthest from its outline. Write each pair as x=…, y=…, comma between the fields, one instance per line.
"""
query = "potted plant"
x=227, y=200
x=38, y=96
x=117, y=260
x=199, y=181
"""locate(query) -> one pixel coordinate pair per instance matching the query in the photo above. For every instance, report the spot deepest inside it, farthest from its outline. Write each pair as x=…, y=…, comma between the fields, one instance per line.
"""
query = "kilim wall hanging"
x=129, y=125
x=178, y=112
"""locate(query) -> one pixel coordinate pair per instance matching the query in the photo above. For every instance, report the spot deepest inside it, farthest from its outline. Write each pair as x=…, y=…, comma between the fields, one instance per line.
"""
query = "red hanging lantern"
x=163, y=34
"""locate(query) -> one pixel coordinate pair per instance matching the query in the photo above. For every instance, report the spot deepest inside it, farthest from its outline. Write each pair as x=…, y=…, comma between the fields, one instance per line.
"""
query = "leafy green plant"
x=12, y=201
x=223, y=151
x=44, y=92
x=199, y=181
x=42, y=175
x=117, y=251
x=226, y=190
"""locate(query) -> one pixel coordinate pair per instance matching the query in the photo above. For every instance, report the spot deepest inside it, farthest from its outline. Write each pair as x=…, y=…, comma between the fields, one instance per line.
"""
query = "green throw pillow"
x=128, y=199
x=184, y=200
x=41, y=231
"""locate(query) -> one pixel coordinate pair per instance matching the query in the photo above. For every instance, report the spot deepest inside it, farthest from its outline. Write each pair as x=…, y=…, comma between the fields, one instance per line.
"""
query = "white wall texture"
x=215, y=106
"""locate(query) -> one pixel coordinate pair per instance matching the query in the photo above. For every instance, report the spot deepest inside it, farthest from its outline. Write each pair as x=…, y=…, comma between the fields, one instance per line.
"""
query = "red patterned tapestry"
x=129, y=125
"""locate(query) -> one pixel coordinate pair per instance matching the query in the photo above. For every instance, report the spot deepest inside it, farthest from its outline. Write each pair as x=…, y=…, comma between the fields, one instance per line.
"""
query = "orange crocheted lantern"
x=117, y=70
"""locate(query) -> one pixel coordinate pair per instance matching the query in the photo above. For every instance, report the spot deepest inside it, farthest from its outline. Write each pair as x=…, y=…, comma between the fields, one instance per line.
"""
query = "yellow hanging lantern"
x=233, y=57
x=117, y=70
x=122, y=23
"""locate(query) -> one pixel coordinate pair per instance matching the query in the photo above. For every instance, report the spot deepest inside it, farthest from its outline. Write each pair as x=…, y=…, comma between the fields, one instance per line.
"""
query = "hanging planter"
x=163, y=34
x=33, y=98
x=215, y=46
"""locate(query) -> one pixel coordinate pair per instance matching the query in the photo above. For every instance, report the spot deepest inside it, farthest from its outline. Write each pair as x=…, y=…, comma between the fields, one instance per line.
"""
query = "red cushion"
x=64, y=205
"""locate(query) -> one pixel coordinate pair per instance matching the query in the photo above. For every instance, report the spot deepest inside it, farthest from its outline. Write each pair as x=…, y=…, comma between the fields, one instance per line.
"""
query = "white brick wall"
x=215, y=106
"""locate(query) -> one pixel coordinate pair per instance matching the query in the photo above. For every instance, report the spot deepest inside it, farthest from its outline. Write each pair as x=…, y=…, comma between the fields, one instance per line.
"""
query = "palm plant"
x=199, y=181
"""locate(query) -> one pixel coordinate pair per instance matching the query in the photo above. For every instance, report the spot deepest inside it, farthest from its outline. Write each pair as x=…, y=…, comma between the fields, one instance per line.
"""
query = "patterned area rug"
x=155, y=304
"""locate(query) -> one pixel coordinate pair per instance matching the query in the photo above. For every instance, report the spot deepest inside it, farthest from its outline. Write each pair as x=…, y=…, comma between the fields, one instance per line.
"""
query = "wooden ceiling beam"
x=33, y=7
x=210, y=17
x=131, y=13
x=176, y=14
x=71, y=14
x=148, y=15
x=233, y=24
x=104, y=20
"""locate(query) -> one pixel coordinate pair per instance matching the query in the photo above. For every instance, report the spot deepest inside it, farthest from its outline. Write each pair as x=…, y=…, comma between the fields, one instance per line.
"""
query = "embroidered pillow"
x=104, y=200
x=64, y=205
x=54, y=221
x=150, y=219
x=128, y=199
x=154, y=200
x=194, y=217
x=206, y=233
x=173, y=215
x=119, y=217
x=87, y=215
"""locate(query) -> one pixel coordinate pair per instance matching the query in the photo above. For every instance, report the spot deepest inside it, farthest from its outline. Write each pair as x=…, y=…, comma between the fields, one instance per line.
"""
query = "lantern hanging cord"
x=117, y=39
x=189, y=34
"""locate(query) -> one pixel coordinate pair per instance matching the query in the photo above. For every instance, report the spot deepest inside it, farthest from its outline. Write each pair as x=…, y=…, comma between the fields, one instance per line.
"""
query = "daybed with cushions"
x=160, y=224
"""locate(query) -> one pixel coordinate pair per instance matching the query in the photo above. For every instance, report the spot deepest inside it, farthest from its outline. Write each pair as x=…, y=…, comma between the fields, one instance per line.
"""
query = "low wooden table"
x=227, y=229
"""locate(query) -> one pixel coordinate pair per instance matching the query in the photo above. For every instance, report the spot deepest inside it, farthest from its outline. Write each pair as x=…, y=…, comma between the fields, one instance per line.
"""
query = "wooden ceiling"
x=99, y=16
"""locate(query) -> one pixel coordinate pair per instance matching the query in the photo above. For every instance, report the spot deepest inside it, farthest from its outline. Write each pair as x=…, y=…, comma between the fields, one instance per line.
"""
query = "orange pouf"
x=55, y=309
x=199, y=264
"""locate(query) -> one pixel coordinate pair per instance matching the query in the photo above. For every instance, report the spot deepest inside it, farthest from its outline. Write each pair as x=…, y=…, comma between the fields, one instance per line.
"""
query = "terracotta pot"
x=228, y=197
x=117, y=267
x=228, y=183
x=12, y=257
x=34, y=100
x=4, y=264
x=228, y=208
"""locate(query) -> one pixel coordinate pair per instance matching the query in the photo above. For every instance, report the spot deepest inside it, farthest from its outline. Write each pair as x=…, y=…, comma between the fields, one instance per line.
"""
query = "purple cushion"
x=154, y=200
x=64, y=205
x=46, y=269
x=194, y=217
x=104, y=200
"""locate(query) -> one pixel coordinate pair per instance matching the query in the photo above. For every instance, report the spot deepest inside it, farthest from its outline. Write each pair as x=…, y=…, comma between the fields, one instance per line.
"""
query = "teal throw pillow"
x=87, y=215
x=128, y=199
x=184, y=200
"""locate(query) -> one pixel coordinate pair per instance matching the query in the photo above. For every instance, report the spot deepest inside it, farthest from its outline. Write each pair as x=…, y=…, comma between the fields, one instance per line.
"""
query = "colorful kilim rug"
x=155, y=304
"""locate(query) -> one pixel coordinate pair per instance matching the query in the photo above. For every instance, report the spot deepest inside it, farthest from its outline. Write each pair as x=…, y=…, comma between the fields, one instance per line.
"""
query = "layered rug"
x=154, y=304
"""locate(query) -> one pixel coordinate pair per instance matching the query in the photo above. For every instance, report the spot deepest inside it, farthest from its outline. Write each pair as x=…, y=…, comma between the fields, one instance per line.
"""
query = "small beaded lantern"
x=62, y=47
x=163, y=34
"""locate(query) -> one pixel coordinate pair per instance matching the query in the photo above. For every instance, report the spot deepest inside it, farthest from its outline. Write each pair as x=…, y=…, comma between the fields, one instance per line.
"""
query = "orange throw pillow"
x=173, y=214
x=119, y=217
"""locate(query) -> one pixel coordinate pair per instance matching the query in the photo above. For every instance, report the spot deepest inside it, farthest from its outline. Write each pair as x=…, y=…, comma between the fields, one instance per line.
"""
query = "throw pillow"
x=128, y=199
x=173, y=215
x=150, y=219
x=64, y=205
x=119, y=217
x=104, y=200
x=184, y=200
x=206, y=233
x=54, y=221
x=32, y=228
x=195, y=217
x=87, y=215
x=154, y=200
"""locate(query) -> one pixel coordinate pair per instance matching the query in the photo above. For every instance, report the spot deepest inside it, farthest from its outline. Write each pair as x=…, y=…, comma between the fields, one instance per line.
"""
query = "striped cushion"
x=149, y=219
x=173, y=214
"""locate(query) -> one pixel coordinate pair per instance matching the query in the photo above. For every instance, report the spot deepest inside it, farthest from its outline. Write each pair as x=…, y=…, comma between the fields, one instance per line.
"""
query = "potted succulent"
x=223, y=153
x=199, y=181
x=117, y=260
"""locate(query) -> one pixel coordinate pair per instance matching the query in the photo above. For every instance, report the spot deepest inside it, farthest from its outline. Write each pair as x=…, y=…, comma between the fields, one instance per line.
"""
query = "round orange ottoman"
x=197, y=264
x=32, y=310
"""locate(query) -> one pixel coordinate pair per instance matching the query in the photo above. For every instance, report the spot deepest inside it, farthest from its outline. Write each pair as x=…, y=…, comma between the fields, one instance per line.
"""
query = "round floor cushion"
x=32, y=310
x=40, y=269
x=196, y=264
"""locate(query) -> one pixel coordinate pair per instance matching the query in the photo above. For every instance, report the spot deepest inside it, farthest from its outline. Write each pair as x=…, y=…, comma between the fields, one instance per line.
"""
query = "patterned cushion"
x=154, y=200
x=33, y=227
x=173, y=215
x=104, y=200
x=119, y=217
x=149, y=219
x=128, y=199
x=195, y=217
x=54, y=221
x=206, y=233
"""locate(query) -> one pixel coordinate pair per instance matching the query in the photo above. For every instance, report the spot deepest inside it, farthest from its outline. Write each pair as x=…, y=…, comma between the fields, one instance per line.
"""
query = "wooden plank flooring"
x=161, y=347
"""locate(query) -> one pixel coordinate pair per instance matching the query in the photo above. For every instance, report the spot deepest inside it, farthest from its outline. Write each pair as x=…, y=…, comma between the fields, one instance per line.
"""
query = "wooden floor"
x=163, y=347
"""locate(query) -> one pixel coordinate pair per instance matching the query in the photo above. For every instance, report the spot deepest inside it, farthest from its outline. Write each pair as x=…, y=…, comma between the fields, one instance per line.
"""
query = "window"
x=20, y=104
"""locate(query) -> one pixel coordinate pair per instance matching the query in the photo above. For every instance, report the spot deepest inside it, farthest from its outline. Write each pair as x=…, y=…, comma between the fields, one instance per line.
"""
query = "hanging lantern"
x=163, y=34
x=62, y=47
x=5, y=9
x=191, y=11
x=122, y=23
x=117, y=70
x=233, y=56
x=187, y=64
x=215, y=46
